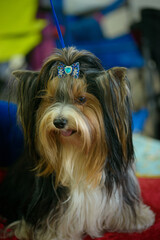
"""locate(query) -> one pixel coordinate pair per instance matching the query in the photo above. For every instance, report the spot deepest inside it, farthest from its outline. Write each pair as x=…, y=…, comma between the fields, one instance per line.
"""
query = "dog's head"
x=87, y=114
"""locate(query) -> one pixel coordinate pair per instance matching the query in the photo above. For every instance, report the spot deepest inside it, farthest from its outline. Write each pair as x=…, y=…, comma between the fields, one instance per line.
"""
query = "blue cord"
x=57, y=26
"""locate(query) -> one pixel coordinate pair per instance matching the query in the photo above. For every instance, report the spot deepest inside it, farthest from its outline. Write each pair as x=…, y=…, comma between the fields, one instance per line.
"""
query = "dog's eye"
x=81, y=100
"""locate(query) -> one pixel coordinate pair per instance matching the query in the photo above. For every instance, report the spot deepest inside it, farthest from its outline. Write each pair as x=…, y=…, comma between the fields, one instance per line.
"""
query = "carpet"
x=150, y=188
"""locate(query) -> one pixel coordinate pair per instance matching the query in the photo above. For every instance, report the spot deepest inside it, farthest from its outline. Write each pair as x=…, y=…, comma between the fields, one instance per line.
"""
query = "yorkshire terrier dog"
x=76, y=175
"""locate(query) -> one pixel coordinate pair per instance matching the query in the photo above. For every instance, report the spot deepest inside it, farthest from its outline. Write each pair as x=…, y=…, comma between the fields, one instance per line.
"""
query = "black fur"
x=116, y=165
x=23, y=193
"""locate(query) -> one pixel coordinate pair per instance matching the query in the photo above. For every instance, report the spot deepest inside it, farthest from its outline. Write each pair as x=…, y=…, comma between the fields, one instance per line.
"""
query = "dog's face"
x=70, y=125
x=81, y=123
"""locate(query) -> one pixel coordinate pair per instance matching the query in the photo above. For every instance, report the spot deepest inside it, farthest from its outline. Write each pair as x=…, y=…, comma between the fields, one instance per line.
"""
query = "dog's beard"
x=76, y=153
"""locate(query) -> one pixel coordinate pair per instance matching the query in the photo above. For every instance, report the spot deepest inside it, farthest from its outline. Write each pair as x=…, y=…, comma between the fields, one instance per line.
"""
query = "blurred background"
x=120, y=32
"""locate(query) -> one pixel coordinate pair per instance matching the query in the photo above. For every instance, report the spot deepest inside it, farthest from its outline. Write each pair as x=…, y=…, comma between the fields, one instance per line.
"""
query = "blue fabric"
x=11, y=137
x=139, y=118
x=80, y=29
x=120, y=51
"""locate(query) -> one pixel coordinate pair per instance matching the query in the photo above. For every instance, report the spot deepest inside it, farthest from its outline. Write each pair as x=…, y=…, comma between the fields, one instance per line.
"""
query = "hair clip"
x=72, y=70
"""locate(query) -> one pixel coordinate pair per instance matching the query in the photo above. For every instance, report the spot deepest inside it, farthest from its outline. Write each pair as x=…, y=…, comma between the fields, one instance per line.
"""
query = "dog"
x=76, y=175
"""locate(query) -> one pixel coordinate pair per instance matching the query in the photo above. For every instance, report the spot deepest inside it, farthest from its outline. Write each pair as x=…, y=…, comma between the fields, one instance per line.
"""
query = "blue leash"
x=57, y=25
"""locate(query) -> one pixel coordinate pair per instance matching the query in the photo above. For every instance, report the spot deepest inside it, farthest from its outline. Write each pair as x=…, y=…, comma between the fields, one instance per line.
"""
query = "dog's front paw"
x=145, y=218
x=125, y=220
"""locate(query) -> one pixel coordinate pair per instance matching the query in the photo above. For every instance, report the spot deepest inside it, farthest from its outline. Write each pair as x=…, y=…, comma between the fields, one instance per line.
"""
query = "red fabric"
x=151, y=196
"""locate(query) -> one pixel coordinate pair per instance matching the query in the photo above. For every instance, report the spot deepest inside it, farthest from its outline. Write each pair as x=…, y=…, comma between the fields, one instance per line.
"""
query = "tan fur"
x=80, y=161
x=81, y=118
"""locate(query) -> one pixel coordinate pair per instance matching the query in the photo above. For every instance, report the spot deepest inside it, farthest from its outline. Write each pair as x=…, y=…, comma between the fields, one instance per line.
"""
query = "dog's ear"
x=27, y=82
x=120, y=108
x=115, y=98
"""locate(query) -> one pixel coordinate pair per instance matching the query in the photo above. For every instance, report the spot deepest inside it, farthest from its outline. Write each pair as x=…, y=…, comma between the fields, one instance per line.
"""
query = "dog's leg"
x=124, y=217
x=145, y=218
x=127, y=222
x=124, y=220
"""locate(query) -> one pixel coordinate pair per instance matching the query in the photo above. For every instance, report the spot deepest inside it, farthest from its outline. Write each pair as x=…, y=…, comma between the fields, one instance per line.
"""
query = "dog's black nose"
x=60, y=122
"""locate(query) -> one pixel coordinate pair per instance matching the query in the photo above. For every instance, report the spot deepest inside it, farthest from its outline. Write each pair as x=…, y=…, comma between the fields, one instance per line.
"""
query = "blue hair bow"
x=72, y=70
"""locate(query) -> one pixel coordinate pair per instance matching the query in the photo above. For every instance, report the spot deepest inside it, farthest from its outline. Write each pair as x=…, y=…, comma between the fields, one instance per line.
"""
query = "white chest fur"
x=87, y=213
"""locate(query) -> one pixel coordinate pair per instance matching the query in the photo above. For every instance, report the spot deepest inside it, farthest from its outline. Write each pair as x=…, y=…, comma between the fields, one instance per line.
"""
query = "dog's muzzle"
x=60, y=122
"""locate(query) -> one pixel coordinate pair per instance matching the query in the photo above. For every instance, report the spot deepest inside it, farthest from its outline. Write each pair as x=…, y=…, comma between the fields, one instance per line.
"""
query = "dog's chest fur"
x=84, y=210
x=88, y=211
x=86, y=206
